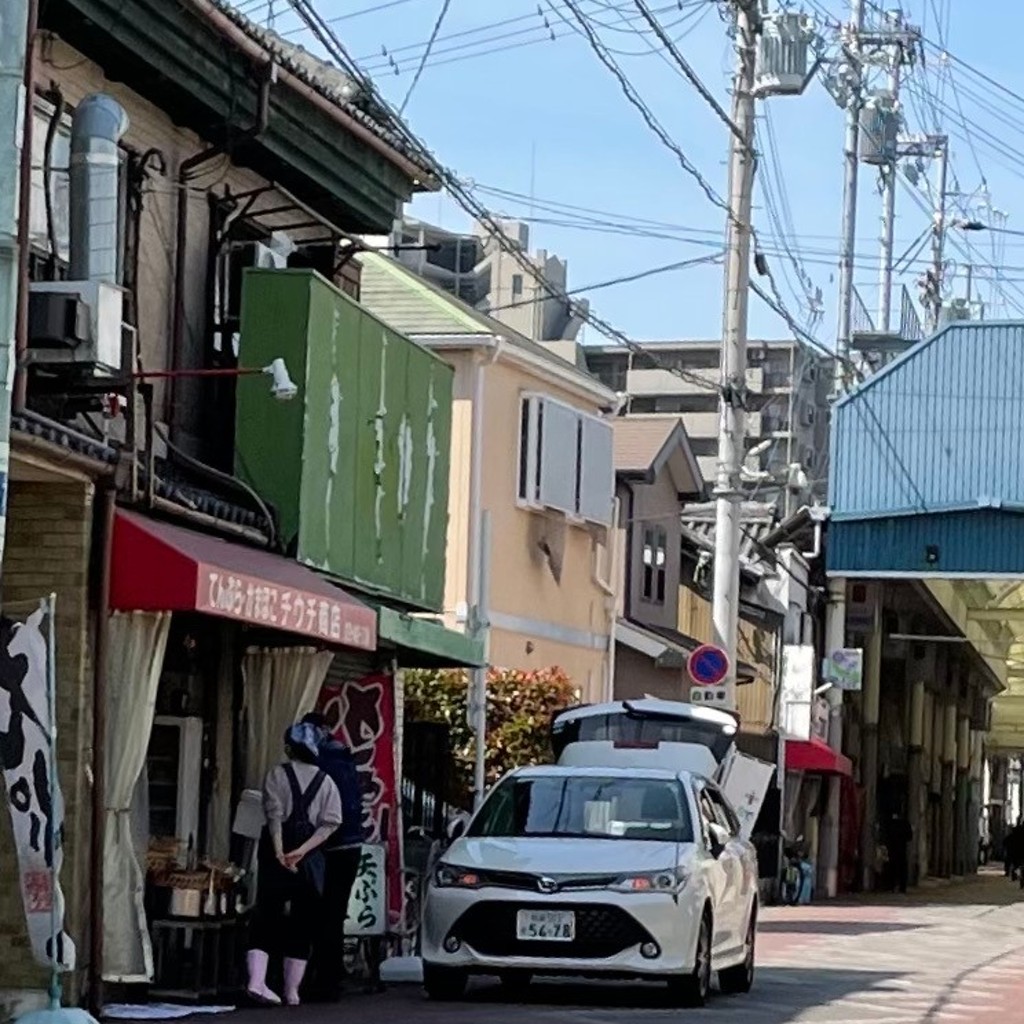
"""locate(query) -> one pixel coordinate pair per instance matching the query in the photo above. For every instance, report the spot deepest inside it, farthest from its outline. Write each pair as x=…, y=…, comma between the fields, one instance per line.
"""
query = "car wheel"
x=739, y=980
x=444, y=984
x=692, y=990
x=515, y=983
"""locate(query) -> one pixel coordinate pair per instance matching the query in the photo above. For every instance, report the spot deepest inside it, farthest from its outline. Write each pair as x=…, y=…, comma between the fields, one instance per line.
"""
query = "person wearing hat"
x=342, y=853
x=303, y=809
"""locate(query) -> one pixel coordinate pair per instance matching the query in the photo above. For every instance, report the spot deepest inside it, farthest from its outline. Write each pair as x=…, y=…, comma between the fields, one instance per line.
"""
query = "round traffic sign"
x=708, y=665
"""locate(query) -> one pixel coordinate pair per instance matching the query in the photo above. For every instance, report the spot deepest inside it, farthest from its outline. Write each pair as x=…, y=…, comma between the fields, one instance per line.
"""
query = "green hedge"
x=519, y=709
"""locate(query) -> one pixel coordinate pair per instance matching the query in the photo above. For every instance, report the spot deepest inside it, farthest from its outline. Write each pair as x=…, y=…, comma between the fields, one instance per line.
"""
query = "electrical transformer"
x=879, y=129
x=783, y=54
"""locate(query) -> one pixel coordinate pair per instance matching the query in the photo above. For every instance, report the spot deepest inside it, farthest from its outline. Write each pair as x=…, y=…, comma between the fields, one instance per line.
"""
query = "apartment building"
x=787, y=404
x=476, y=269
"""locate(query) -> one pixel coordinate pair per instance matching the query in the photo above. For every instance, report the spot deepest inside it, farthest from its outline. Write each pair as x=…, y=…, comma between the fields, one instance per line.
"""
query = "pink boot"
x=294, y=972
x=258, y=962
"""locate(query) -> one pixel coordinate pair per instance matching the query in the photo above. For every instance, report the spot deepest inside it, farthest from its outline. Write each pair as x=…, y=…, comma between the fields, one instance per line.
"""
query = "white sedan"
x=595, y=872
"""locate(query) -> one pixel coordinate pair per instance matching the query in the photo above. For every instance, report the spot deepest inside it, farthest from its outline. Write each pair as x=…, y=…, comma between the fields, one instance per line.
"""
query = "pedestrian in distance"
x=1012, y=850
x=303, y=809
x=342, y=853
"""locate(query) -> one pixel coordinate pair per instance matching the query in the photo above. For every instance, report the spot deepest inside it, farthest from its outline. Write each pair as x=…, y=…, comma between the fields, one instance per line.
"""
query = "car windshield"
x=590, y=807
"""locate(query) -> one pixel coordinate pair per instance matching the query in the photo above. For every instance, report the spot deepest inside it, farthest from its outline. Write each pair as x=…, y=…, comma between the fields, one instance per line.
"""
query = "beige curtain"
x=280, y=686
x=137, y=644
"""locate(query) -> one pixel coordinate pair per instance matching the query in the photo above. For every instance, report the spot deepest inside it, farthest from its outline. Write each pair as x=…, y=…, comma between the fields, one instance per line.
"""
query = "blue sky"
x=512, y=109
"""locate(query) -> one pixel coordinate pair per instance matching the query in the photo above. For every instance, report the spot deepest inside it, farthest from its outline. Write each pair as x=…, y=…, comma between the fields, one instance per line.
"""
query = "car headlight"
x=669, y=880
x=447, y=876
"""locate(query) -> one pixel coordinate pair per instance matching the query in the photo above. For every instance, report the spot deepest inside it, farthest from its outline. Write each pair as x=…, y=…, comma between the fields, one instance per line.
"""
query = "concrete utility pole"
x=851, y=161
x=890, y=169
x=732, y=424
x=939, y=228
x=13, y=43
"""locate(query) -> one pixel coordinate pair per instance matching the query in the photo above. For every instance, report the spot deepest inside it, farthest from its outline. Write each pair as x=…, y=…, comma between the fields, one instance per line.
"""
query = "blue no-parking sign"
x=708, y=665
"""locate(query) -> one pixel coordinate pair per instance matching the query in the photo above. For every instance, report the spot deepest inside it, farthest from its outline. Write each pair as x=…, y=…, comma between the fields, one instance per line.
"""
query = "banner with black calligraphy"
x=361, y=714
x=36, y=804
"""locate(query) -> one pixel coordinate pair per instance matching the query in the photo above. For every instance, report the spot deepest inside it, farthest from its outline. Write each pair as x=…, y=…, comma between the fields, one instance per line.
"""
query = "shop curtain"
x=280, y=686
x=137, y=644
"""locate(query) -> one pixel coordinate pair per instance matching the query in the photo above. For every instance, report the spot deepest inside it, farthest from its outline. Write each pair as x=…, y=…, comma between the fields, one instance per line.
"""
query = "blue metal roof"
x=940, y=429
x=982, y=543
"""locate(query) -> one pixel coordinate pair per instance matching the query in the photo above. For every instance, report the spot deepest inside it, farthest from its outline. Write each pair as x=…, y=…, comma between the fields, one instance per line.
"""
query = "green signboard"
x=357, y=463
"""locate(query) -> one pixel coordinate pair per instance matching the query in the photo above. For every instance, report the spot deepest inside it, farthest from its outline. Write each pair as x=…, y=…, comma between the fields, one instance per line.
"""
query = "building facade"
x=531, y=446
x=477, y=270
x=192, y=526
x=788, y=386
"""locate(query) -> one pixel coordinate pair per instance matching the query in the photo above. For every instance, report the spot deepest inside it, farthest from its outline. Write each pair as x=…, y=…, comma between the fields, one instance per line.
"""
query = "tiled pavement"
x=950, y=955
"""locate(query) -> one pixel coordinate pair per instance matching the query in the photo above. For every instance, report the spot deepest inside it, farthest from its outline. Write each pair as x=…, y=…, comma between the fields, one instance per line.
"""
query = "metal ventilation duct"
x=98, y=125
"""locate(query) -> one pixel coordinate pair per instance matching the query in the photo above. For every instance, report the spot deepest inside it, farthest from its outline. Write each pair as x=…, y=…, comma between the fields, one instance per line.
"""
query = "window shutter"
x=558, y=457
x=597, y=475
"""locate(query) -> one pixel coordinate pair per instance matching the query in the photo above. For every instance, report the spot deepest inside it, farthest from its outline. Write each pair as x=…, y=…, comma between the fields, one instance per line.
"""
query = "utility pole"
x=851, y=160
x=939, y=227
x=889, y=172
x=732, y=398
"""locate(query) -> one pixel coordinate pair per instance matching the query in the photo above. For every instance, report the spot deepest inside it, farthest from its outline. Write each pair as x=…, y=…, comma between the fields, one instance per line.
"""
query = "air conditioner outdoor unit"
x=76, y=326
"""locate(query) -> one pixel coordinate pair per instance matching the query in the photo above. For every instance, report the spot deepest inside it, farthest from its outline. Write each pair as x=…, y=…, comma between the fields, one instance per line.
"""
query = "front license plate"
x=545, y=926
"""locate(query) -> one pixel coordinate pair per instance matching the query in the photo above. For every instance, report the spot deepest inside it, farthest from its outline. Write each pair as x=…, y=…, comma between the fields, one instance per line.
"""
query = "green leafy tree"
x=520, y=705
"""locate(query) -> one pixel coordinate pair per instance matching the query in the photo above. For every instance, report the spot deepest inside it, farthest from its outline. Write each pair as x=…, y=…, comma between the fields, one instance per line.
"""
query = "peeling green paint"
x=357, y=465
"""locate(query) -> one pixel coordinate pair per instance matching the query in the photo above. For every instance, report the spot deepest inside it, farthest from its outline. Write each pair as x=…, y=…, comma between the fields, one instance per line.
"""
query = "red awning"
x=159, y=567
x=817, y=757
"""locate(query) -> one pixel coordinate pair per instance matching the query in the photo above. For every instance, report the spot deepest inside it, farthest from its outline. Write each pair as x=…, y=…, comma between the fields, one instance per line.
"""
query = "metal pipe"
x=480, y=674
x=24, y=210
x=98, y=125
x=105, y=538
x=12, y=73
x=186, y=169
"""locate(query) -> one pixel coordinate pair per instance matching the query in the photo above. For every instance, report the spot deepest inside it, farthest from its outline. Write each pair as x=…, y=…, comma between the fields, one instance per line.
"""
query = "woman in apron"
x=302, y=807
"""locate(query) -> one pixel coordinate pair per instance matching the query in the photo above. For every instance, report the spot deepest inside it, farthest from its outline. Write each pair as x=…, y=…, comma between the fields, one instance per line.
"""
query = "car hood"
x=565, y=855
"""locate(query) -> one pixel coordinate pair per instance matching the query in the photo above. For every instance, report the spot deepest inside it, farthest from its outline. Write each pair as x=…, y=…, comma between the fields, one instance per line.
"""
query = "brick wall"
x=49, y=532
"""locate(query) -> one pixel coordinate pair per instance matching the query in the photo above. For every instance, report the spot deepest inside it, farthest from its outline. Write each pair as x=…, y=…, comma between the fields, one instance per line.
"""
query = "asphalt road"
x=944, y=956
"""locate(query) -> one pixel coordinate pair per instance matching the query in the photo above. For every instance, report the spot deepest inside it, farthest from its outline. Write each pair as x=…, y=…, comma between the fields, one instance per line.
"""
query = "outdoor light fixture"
x=282, y=387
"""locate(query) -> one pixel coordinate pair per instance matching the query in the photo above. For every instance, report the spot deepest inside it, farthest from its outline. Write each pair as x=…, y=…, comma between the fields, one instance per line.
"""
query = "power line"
x=688, y=72
x=445, y=5
x=641, y=275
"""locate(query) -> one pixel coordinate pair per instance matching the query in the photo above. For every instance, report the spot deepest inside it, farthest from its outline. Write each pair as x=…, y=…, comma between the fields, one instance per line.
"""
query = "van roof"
x=655, y=708
x=598, y=772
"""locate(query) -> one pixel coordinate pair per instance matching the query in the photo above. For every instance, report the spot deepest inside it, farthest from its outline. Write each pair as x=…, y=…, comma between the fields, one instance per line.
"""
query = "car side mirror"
x=457, y=827
x=719, y=839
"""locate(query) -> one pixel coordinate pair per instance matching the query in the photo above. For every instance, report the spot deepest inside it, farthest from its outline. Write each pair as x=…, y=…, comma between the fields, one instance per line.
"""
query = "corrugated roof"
x=332, y=83
x=639, y=441
x=938, y=430
x=417, y=308
x=758, y=519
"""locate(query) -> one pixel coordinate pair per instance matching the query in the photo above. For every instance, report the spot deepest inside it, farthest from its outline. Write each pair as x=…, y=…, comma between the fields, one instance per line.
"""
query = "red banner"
x=361, y=714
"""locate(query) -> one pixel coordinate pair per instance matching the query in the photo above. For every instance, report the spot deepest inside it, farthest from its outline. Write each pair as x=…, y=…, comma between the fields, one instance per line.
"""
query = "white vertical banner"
x=28, y=758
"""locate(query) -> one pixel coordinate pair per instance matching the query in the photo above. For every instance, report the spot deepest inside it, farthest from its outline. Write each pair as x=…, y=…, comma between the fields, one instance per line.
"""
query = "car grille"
x=528, y=882
x=601, y=931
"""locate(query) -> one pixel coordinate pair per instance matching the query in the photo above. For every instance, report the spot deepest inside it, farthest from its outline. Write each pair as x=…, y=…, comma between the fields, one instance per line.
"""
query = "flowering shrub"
x=519, y=709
